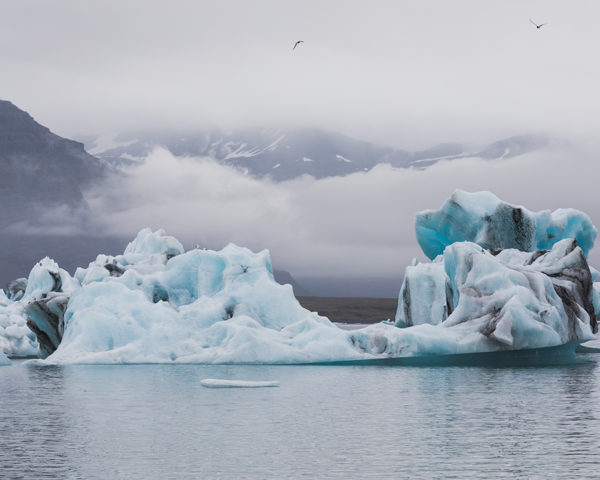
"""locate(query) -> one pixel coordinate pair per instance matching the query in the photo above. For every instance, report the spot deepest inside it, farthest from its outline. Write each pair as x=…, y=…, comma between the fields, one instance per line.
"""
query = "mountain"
x=283, y=277
x=513, y=146
x=40, y=171
x=276, y=153
x=284, y=154
x=38, y=167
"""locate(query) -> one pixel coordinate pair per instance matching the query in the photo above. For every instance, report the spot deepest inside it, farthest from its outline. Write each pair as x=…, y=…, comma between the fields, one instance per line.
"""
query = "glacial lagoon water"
x=352, y=421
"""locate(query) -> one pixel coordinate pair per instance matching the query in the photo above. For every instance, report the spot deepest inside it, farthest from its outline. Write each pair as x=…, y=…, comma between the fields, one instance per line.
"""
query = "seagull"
x=536, y=25
x=297, y=43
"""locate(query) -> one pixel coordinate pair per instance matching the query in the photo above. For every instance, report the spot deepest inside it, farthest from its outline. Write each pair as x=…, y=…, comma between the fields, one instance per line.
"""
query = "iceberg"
x=157, y=303
x=484, y=219
x=509, y=299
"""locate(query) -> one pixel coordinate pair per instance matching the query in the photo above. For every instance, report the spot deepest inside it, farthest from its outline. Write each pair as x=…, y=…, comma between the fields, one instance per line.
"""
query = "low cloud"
x=358, y=225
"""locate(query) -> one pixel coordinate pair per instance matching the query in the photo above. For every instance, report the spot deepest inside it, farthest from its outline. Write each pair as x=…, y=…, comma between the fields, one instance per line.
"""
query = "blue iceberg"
x=484, y=219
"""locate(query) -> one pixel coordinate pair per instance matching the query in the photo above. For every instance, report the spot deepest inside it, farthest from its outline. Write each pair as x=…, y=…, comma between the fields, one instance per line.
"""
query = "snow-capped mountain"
x=283, y=154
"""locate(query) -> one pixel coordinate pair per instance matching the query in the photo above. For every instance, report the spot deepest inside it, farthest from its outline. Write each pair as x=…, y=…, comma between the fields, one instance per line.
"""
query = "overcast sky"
x=406, y=73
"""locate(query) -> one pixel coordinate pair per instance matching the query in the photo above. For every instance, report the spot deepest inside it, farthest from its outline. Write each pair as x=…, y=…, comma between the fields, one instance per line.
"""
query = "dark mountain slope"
x=38, y=167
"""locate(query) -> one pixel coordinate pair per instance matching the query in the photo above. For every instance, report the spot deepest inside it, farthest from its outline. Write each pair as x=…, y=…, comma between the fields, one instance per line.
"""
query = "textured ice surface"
x=159, y=304
x=484, y=219
x=596, y=289
x=203, y=306
x=510, y=299
x=148, y=242
x=15, y=338
x=219, y=383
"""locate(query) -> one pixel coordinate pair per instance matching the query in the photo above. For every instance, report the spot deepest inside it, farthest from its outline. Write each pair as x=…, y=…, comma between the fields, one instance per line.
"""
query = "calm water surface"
x=158, y=422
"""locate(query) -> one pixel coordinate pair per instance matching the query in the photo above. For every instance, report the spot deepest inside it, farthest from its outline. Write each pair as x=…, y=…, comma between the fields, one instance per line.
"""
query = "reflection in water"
x=157, y=421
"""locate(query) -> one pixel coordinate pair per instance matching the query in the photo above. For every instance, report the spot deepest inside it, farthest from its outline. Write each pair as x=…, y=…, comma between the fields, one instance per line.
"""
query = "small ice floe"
x=593, y=346
x=219, y=383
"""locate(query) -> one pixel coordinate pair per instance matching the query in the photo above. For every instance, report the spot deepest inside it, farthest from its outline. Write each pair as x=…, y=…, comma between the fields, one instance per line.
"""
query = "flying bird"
x=297, y=43
x=536, y=25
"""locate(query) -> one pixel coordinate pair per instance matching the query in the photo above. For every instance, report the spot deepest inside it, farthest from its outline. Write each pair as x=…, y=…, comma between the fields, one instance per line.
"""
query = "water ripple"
x=156, y=421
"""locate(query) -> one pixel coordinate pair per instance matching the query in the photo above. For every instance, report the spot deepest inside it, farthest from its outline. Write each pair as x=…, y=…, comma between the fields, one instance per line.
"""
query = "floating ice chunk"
x=484, y=219
x=591, y=346
x=513, y=299
x=219, y=383
x=198, y=307
x=224, y=306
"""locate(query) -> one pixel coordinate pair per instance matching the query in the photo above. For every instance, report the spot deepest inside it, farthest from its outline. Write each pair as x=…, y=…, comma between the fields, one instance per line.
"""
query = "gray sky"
x=406, y=73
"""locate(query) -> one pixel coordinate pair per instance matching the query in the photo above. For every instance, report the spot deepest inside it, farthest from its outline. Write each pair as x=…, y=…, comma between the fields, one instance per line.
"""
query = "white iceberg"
x=224, y=307
x=202, y=306
x=508, y=299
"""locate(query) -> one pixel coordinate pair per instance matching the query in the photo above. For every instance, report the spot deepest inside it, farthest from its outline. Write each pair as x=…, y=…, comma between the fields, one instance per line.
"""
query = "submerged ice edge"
x=560, y=355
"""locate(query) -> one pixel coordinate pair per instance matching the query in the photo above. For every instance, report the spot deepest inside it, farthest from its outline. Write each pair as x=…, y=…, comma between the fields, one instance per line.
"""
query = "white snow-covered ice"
x=16, y=339
x=515, y=299
x=156, y=304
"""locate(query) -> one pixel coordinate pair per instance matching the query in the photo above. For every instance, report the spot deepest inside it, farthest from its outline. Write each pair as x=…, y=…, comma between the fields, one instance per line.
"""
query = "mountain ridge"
x=284, y=154
x=38, y=167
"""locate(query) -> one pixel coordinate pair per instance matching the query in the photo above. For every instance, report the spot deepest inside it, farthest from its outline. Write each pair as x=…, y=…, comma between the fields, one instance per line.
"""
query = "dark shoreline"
x=352, y=309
